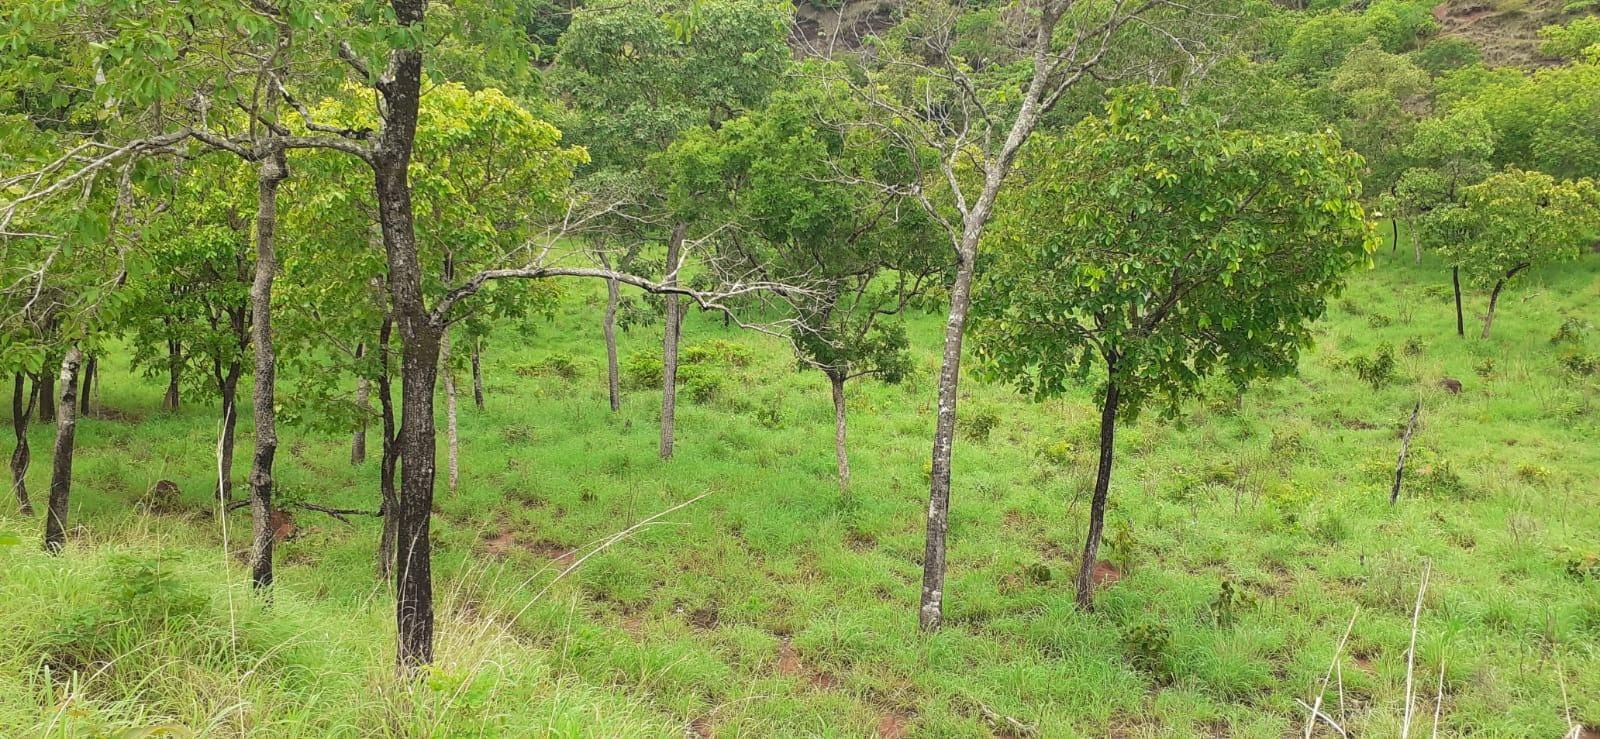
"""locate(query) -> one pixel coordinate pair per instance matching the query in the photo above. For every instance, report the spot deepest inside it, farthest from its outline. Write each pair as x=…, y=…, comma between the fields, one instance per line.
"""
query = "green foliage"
x=1172, y=261
x=1513, y=220
x=1579, y=39
x=1376, y=370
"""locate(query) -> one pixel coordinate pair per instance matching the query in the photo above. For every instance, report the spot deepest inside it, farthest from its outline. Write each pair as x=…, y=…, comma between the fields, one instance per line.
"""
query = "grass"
x=1246, y=532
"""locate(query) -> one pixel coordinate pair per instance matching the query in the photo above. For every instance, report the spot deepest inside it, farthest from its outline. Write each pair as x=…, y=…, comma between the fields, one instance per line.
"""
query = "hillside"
x=1507, y=31
x=1245, y=534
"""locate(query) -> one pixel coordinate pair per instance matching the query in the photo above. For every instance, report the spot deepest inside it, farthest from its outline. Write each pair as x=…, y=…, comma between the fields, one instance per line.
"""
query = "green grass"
x=776, y=607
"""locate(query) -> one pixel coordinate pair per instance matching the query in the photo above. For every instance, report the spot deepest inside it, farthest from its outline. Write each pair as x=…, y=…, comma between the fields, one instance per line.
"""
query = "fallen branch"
x=338, y=513
x=1405, y=447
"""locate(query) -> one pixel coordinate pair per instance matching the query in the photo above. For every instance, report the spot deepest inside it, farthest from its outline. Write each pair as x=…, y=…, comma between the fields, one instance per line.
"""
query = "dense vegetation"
x=1217, y=260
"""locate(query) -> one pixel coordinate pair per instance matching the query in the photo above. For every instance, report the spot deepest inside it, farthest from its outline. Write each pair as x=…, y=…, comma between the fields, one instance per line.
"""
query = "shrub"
x=1571, y=331
x=980, y=424
x=1579, y=363
x=1378, y=369
x=642, y=371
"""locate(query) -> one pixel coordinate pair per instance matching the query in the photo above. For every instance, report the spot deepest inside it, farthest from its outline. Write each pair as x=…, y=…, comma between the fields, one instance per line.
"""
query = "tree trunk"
x=669, y=346
x=274, y=170
x=229, y=389
x=451, y=433
x=22, y=402
x=836, y=380
x=90, y=370
x=1394, y=237
x=1102, y=488
x=44, y=388
x=931, y=612
x=358, y=441
x=477, y=374
x=55, y=518
x=390, y=500
x=609, y=328
x=1494, y=297
x=174, y=375
x=1461, y=323
x=419, y=349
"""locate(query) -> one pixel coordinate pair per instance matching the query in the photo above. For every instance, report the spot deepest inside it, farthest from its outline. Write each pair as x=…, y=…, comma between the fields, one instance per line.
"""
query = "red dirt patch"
x=282, y=524
x=500, y=544
x=788, y=660
x=1104, y=573
x=701, y=727
x=893, y=725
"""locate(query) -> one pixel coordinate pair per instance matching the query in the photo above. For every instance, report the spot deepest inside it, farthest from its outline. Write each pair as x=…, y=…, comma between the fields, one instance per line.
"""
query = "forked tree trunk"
x=836, y=381
x=44, y=388
x=451, y=433
x=1461, y=321
x=274, y=169
x=669, y=346
x=401, y=88
x=609, y=328
x=90, y=371
x=55, y=518
x=1494, y=297
x=477, y=373
x=22, y=402
x=358, y=442
x=1102, y=489
x=390, y=500
x=173, y=397
x=228, y=388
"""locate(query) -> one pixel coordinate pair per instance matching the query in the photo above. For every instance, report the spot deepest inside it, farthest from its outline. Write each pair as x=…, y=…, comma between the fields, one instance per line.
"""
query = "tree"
x=794, y=186
x=1376, y=97
x=1510, y=222
x=1453, y=151
x=1157, y=249
x=965, y=111
x=187, y=305
x=641, y=74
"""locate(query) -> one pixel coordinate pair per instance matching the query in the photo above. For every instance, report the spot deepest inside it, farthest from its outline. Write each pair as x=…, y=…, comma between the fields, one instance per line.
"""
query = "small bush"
x=1571, y=331
x=642, y=371
x=559, y=365
x=717, y=352
x=980, y=424
x=1147, y=645
x=1579, y=364
x=1377, y=370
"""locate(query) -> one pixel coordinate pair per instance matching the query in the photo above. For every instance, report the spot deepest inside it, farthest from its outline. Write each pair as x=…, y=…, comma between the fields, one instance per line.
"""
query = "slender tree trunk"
x=174, y=376
x=274, y=169
x=669, y=346
x=55, y=519
x=1494, y=297
x=1102, y=489
x=22, y=402
x=390, y=504
x=1461, y=322
x=419, y=349
x=358, y=442
x=836, y=380
x=931, y=612
x=229, y=389
x=609, y=328
x=477, y=373
x=44, y=388
x=1394, y=238
x=451, y=433
x=90, y=372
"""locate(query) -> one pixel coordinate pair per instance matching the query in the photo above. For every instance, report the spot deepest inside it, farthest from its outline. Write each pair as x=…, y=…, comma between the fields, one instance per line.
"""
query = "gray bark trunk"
x=477, y=374
x=1494, y=297
x=22, y=402
x=174, y=376
x=452, y=436
x=836, y=381
x=273, y=171
x=609, y=328
x=230, y=423
x=669, y=346
x=55, y=519
x=931, y=612
x=358, y=441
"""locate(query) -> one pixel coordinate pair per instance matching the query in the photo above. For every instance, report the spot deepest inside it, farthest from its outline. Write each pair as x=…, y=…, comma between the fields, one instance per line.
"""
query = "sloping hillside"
x=1507, y=30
